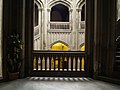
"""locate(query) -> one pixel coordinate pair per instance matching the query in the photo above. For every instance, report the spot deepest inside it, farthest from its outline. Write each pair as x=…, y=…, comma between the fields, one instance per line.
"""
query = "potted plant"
x=14, y=52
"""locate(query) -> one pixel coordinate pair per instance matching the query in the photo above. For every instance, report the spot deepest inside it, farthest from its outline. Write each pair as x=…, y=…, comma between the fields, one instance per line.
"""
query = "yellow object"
x=34, y=64
x=62, y=47
x=59, y=46
x=82, y=49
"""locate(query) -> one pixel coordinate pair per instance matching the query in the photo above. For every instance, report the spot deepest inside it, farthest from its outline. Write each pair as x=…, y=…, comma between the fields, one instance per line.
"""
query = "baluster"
x=54, y=57
x=68, y=26
x=37, y=62
x=45, y=62
x=72, y=63
x=65, y=66
x=65, y=26
x=65, y=63
x=80, y=62
x=41, y=58
x=58, y=26
x=34, y=63
x=59, y=62
x=76, y=63
x=62, y=63
x=56, y=63
x=83, y=64
x=69, y=63
x=50, y=59
x=50, y=26
x=55, y=26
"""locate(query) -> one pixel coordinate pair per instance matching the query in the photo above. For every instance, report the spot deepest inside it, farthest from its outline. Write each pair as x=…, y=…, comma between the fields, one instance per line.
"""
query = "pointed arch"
x=80, y=4
x=59, y=41
x=63, y=2
x=39, y=3
x=59, y=12
x=82, y=47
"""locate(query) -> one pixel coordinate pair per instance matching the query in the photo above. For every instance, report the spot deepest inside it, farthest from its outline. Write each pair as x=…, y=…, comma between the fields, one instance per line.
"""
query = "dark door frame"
x=88, y=37
x=18, y=15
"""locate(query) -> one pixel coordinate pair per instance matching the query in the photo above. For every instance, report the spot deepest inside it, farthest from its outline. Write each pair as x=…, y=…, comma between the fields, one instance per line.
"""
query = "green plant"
x=14, y=52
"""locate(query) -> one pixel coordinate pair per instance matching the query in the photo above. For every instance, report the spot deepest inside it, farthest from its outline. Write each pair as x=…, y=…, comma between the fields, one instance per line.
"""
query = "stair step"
x=117, y=61
x=118, y=49
x=117, y=56
x=117, y=52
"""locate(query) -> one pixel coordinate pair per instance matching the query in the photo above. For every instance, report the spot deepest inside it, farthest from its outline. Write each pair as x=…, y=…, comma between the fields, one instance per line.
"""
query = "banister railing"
x=58, y=61
x=82, y=24
x=59, y=25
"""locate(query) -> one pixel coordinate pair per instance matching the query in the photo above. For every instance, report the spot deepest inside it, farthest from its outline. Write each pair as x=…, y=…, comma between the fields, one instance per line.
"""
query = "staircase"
x=117, y=60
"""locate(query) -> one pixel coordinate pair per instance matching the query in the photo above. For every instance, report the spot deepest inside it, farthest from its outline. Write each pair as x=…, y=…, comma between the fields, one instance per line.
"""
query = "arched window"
x=59, y=13
x=83, y=13
x=36, y=18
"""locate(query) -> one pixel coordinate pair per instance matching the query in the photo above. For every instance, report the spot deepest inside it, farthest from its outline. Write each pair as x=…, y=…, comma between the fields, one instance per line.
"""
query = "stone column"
x=71, y=28
x=40, y=28
x=48, y=27
x=78, y=27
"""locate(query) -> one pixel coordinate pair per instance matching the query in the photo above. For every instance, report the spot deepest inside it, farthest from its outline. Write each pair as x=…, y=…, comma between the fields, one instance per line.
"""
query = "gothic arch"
x=63, y=2
x=80, y=4
x=60, y=13
x=39, y=3
x=81, y=45
x=59, y=41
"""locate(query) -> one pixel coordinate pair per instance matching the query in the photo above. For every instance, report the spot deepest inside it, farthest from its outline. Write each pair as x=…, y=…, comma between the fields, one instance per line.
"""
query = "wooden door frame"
x=88, y=36
x=93, y=29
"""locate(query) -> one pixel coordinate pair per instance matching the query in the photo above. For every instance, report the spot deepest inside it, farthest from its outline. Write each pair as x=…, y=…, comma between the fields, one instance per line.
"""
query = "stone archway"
x=38, y=21
x=59, y=13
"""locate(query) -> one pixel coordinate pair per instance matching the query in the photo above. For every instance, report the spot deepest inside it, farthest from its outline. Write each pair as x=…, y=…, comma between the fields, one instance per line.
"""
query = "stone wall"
x=118, y=9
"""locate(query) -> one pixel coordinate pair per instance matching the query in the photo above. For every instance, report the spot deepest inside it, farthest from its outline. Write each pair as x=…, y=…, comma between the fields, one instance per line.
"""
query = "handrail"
x=59, y=25
x=56, y=51
x=58, y=60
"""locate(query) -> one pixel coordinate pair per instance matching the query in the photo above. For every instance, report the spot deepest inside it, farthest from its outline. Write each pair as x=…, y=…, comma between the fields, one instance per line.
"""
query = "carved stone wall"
x=45, y=36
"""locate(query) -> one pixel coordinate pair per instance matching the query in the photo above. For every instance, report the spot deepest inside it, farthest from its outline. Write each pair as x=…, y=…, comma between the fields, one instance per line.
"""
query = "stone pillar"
x=48, y=27
x=71, y=20
x=78, y=27
x=40, y=28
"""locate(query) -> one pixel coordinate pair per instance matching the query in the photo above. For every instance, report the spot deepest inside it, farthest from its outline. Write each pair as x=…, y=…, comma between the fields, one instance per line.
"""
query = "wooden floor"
x=35, y=83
